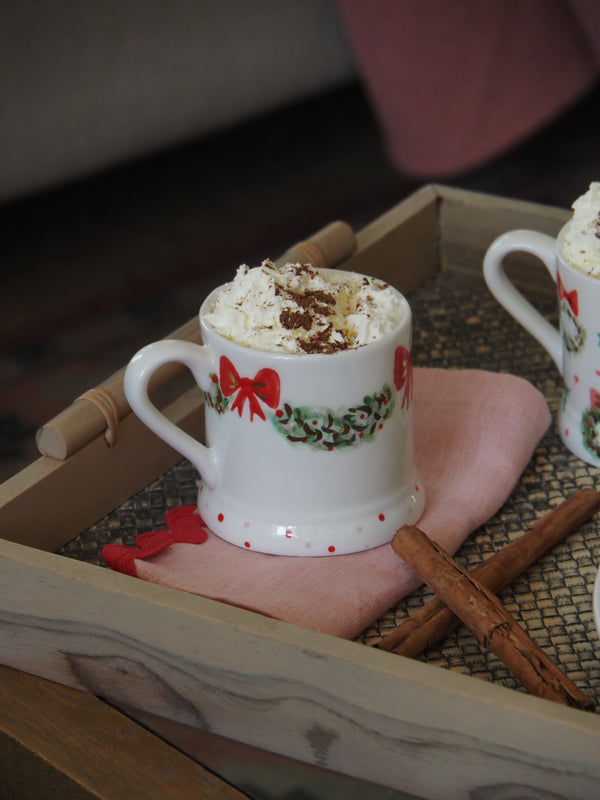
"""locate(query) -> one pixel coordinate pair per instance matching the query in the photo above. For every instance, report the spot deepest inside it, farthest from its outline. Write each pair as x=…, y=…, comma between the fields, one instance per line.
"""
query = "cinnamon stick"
x=82, y=421
x=485, y=616
x=434, y=620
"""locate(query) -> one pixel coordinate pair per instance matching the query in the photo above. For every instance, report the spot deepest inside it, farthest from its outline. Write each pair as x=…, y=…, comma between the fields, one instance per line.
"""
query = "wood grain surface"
x=56, y=742
x=321, y=700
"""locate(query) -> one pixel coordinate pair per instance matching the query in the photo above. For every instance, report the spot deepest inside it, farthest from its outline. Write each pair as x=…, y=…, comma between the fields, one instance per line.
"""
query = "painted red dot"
x=331, y=548
x=576, y=378
x=279, y=413
x=417, y=488
x=220, y=517
x=215, y=379
x=566, y=431
x=289, y=534
x=314, y=421
x=382, y=517
x=246, y=544
x=380, y=425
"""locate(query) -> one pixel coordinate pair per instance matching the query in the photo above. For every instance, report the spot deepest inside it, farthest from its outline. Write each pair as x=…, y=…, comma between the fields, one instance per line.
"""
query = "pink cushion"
x=457, y=83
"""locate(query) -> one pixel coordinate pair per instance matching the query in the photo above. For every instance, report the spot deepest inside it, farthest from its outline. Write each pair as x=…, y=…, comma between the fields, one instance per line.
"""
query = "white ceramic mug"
x=306, y=454
x=574, y=347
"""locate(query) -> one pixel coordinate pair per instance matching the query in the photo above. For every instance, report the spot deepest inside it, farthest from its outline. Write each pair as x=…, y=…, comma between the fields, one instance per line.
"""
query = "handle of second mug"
x=135, y=385
x=543, y=247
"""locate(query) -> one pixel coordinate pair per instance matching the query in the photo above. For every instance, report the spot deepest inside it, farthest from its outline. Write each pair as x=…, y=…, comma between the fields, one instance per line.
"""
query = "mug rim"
x=405, y=321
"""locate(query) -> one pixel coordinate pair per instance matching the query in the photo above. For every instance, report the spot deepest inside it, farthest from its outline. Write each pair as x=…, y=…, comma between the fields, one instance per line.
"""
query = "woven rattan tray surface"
x=459, y=325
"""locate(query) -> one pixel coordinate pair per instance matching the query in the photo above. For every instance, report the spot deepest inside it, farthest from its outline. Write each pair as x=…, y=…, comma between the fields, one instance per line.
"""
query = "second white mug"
x=574, y=346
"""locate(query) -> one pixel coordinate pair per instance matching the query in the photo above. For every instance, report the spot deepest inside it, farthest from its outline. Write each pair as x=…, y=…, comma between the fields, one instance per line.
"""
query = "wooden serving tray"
x=168, y=655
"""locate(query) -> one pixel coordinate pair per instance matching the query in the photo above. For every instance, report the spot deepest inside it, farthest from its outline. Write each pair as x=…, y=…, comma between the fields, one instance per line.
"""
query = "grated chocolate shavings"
x=323, y=342
x=295, y=320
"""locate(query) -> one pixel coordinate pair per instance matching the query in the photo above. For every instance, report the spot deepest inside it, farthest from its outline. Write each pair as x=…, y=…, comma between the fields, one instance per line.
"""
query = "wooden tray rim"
x=411, y=726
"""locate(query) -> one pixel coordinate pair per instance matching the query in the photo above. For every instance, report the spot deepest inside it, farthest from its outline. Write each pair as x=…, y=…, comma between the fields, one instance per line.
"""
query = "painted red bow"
x=403, y=373
x=570, y=297
x=264, y=387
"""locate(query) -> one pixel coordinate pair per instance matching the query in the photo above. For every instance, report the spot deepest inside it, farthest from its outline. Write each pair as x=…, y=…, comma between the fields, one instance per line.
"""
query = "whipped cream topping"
x=299, y=309
x=580, y=243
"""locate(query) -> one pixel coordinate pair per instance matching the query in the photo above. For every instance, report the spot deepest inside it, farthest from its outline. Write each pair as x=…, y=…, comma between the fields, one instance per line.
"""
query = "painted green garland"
x=574, y=342
x=590, y=430
x=215, y=398
x=324, y=429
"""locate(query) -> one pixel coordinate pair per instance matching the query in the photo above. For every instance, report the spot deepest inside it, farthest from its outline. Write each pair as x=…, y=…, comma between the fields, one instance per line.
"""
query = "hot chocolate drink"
x=308, y=396
x=296, y=308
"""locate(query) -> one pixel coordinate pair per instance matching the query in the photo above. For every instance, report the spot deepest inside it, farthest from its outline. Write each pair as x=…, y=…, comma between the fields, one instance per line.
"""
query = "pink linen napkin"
x=475, y=432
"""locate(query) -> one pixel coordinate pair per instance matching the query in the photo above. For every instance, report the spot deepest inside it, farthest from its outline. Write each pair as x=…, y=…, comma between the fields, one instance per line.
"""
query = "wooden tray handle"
x=86, y=418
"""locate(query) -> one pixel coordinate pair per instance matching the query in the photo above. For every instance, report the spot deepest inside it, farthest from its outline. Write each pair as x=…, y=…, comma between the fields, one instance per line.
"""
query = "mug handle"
x=543, y=247
x=198, y=359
